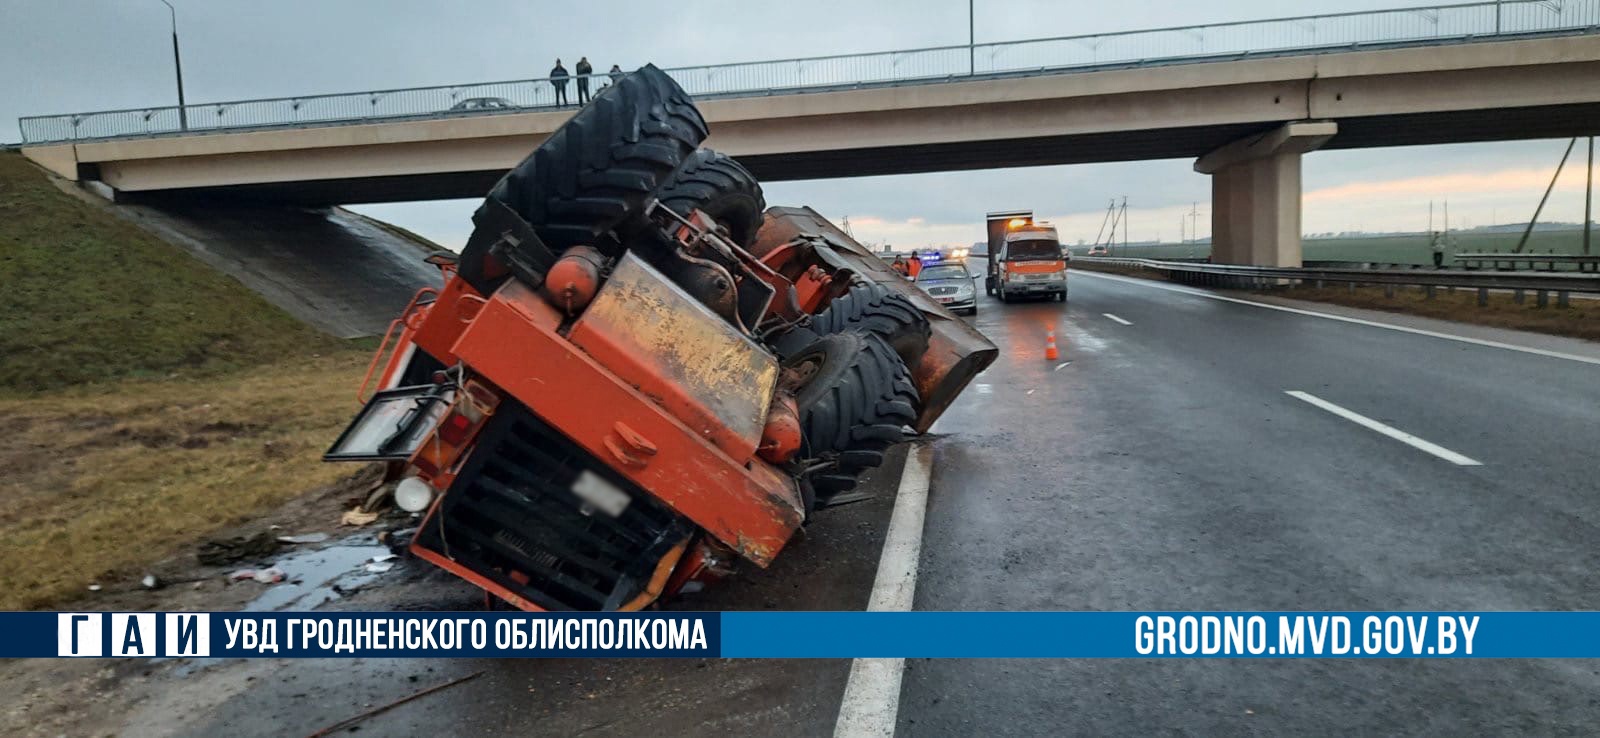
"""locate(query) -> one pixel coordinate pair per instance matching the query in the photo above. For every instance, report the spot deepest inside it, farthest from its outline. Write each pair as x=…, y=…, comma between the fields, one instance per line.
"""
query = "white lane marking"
x=1347, y=319
x=1395, y=433
x=871, y=702
x=1119, y=320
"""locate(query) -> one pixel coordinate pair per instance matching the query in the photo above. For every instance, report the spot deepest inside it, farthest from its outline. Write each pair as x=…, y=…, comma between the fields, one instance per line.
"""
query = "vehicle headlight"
x=413, y=495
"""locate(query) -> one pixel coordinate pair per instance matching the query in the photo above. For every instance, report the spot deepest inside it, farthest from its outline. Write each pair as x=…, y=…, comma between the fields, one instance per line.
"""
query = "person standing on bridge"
x=584, y=69
x=615, y=74
x=558, y=80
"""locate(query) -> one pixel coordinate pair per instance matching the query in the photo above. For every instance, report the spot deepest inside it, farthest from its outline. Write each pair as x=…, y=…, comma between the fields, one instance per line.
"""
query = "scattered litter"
x=1030, y=392
x=348, y=722
x=357, y=517
x=304, y=538
x=94, y=588
x=1062, y=364
x=150, y=582
x=227, y=551
x=380, y=563
x=270, y=575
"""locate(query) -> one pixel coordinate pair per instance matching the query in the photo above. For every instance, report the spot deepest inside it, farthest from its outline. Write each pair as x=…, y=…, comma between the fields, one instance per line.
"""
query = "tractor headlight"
x=413, y=495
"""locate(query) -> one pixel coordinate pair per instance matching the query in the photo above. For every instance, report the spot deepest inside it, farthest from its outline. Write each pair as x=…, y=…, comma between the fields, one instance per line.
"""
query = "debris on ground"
x=357, y=517
x=304, y=538
x=350, y=722
x=220, y=552
x=94, y=588
x=380, y=563
x=150, y=582
x=269, y=575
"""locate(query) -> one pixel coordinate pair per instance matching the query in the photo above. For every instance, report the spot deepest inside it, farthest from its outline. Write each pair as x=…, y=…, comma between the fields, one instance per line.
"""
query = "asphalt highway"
x=1167, y=468
x=1159, y=464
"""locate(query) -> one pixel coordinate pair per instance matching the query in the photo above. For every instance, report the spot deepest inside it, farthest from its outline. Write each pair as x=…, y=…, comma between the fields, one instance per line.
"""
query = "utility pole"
x=1111, y=238
x=1588, y=198
x=177, y=66
x=1124, y=225
x=1535, y=219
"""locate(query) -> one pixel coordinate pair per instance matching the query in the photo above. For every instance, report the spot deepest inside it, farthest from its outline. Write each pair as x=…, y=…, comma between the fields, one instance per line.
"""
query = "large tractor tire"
x=721, y=187
x=854, y=406
x=589, y=182
x=874, y=308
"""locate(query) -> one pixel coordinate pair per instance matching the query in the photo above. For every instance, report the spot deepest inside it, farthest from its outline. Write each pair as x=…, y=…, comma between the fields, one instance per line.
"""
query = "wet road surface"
x=1159, y=464
x=1166, y=468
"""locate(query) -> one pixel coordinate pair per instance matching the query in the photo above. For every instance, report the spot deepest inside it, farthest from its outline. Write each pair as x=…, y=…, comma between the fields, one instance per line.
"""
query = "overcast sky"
x=61, y=56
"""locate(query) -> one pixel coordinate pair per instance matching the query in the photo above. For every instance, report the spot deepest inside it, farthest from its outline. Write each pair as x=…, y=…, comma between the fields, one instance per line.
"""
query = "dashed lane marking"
x=1390, y=431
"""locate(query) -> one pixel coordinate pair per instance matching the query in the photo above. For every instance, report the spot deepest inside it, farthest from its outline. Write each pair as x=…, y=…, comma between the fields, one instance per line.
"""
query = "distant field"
x=1408, y=249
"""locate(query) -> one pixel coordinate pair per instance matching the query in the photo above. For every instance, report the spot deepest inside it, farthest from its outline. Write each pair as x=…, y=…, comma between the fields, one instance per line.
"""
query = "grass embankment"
x=147, y=399
x=87, y=296
x=1580, y=320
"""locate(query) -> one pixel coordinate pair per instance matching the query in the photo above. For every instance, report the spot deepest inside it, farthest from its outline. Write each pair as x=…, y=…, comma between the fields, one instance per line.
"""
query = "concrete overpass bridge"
x=1246, y=100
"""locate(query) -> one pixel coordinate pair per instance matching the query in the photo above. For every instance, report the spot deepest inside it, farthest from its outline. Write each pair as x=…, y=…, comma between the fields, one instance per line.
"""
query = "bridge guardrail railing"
x=1238, y=275
x=1186, y=44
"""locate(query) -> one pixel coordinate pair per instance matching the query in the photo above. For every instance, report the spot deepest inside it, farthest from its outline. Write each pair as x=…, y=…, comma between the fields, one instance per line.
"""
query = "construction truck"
x=636, y=375
x=1025, y=258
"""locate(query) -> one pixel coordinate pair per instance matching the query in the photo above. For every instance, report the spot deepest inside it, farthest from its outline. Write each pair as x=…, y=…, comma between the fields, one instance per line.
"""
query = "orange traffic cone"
x=1050, y=352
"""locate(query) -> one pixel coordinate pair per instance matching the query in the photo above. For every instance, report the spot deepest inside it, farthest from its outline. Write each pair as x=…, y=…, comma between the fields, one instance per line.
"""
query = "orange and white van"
x=1031, y=262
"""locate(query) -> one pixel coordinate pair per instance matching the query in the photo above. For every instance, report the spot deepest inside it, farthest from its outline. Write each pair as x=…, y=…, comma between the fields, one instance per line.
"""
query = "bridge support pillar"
x=1255, y=194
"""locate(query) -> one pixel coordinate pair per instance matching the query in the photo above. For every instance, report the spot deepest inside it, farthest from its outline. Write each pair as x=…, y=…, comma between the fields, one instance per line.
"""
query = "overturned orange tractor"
x=635, y=374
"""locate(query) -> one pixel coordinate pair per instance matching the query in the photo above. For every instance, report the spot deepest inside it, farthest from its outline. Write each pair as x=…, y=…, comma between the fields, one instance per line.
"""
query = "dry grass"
x=101, y=480
x=1580, y=320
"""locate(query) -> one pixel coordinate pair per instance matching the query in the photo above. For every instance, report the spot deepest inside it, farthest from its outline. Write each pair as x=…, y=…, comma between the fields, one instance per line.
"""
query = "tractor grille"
x=512, y=517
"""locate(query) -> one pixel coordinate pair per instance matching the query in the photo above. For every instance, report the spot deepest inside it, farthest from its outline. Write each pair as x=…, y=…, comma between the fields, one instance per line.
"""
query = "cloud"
x=1438, y=186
